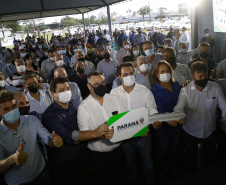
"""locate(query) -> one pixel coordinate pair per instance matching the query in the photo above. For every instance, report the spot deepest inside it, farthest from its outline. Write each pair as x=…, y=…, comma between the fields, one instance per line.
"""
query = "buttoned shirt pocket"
x=211, y=103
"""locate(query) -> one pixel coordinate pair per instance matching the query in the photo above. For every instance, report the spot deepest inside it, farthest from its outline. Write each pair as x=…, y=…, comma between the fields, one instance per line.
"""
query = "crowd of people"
x=57, y=94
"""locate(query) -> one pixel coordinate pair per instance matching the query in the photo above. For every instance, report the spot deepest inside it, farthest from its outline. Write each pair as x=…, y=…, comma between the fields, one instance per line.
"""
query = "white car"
x=166, y=25
x=130, y=25
x=156, y=24
x=116, y=26
x=182, y=24
x=122, y=26
x=8, y=41
x=139, y=25
x=58, y=33
x=46, y=30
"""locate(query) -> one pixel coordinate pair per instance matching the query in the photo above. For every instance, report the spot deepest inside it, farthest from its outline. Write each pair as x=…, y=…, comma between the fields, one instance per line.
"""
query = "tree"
x=92, y=19
x=144, y=11
x=67, y=21
x=162, y=12
x=114, y=14
x=13, y=26
x=129, y=12
x=134, y=13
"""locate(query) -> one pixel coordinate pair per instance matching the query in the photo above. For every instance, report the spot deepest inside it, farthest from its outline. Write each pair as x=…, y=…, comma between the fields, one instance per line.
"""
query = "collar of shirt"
x=193, y=87
x=134, y=89
x=42, y=95
x=5, y=128
x=109, y=61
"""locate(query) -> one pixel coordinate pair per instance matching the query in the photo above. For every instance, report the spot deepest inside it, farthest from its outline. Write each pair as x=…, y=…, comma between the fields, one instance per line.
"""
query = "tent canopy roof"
x=11, y=10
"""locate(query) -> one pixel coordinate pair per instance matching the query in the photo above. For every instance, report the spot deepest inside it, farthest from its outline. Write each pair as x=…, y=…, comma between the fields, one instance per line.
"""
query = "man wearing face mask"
x=15, y=78
x=22, y=103
x=39, y=99
x=44, y=57
x=139, y=78
x=108, y=67
x=21, y=160
x=121, y=38
x=170, y=33
x=5, y=69
x=61, y=50
x=142, y=66
x=133, y=96
x=132, y=37
x=204, y=51
x=93, y=55
x=125, y=50
x=100, y=42
x=211, y=42
x=167, y=43
x=3, y=85
x=161, y=39
x=89, y=66
x=140, y=37
x=93, y=113
x=199, y=100
x=181, y=72
x=22, y=54
x=60, y=63
x=61, y=117
x=80, y=78
x=112, y=51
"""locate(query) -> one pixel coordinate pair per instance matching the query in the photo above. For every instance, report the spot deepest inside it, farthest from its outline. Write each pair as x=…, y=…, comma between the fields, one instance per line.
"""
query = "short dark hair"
x=55, y=81
x=6, y=96
x=27, y=76
x=199, y=66
x=51, y=51
x=128, y=58
x=93, y=73
x=171, y=50
x=204, y=44
x=207, y=30
x=156, y=69
x=119, y=68
x=160, y=46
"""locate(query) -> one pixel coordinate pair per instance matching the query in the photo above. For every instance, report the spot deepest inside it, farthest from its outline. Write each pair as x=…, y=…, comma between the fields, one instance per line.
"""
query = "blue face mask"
x=12, y=116
x=149, y=52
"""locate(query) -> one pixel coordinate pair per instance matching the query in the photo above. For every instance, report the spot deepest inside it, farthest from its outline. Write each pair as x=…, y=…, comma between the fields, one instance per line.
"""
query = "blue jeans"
x=143, y=146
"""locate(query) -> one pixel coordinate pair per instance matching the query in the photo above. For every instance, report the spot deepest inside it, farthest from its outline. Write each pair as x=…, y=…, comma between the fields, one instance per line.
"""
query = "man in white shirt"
x=48, y=64
x=199, y=100
x=39, y=99
x=107, y=46
x=181, y=72
x=108, y=67
x=93, y=113
x=125, y=50
x=106, y=35
x=133, y=96
x=185, y=37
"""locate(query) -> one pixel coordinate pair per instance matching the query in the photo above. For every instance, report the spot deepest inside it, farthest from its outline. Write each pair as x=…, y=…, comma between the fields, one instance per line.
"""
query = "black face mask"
x=100, y=90
x=171, y=60
x=24, y=110
x=80, y=70
x=106, y=56
x=202, y=83
x=204, y=55
x=33, y=88
x=81, y=59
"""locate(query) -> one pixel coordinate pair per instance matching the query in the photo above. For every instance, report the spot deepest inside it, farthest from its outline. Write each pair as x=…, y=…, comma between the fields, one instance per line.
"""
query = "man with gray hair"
x=15, y=78
x=3, y=84
x=39, y=99
x=142, y=66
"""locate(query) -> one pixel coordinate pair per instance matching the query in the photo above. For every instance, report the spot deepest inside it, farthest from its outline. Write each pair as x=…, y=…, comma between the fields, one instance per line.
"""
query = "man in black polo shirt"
x=204, y=52
x=80, y=78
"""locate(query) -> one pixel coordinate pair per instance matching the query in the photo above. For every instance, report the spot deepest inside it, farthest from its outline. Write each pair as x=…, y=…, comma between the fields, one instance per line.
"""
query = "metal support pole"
x=109, y=18
x=84, y=25
x=194, y=27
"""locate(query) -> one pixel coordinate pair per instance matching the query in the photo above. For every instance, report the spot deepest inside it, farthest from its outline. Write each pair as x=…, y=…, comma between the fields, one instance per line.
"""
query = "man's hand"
x=157, y=124
x=146, y=133
x=101, y=130
x=57, y=140
x=214, y=73
x=187, y=82
x=223, y=120
x=20, y=157
x=181, y=121
x=172, y=123
x=110, y=133
x=209, y=38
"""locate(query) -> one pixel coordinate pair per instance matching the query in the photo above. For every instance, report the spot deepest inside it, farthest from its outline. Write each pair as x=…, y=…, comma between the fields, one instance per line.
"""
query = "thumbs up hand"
x=57, y=140
x=20, y=157
x=109, y=134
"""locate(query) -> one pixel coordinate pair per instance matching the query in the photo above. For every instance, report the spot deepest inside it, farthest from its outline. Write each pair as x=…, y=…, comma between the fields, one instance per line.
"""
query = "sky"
x=134, y=5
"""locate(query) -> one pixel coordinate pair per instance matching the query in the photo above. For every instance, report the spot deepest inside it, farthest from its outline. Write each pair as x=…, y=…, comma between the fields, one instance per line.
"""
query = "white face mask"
x=34, y=46
x=166, y=46
x=126, y=46
x=64, y=97
x=206, y=35
x=149, y=52
x=108, y=47
x=75, y=50
x=59, y=52
x=37, y=59
x=23, y=55
x=183, y=50
x=21, y=69
x=63, y=51
x=2, y=83
x=46, y=53
x=52, y=58
x=60, y=63
x=129, y=80
x=143, y=68
x=136, y=52
x=165, y=77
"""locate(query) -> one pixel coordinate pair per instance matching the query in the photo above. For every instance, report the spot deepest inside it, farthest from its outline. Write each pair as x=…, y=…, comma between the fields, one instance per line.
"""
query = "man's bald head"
x=59, y=57
x=60, y=72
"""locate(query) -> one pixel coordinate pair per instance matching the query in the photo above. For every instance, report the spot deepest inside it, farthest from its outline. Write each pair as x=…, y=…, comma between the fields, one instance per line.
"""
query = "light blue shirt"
x=75, y=93
x=11, y=89
x=140, y=79
x=30, y=127
x=66, y=60
x=40, y=106
x=109, y=69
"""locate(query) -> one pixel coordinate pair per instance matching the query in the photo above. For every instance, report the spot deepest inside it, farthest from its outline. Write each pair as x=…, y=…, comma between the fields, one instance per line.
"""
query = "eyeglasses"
x=19, y=136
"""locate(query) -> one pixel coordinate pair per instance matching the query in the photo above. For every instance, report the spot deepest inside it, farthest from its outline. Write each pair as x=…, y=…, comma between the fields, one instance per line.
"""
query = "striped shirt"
x=15, y=80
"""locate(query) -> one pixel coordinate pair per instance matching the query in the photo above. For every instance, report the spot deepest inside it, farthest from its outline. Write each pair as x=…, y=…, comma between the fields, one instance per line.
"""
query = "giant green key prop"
x=135, y=123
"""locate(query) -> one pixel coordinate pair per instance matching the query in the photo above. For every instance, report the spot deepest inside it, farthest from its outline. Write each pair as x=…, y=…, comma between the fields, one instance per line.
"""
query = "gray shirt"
x=46, y=67
x=75, y=92
x=140, y=38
